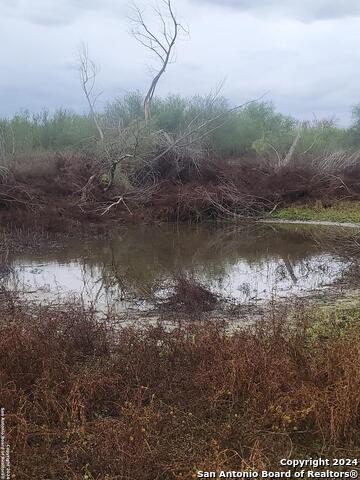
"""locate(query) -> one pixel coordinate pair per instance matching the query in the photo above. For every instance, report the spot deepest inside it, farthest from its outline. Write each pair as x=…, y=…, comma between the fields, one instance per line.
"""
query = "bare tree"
x=292, y=148
x=110, y=149
x=198, y=128
x=88, y=71
x=161, y=43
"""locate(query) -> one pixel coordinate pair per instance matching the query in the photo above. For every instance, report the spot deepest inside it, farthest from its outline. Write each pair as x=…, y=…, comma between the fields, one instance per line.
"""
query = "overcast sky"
x=304, y=53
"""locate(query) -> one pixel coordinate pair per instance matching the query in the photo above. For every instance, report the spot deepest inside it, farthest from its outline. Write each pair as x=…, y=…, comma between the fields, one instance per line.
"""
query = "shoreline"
x=326, y=223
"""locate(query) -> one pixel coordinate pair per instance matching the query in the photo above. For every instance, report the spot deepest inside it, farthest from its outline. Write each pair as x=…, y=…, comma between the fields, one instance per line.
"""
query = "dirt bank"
x=66, y=194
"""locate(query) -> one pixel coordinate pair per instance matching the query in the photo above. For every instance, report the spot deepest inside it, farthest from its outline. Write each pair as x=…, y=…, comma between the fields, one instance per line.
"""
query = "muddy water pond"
x=249, y=263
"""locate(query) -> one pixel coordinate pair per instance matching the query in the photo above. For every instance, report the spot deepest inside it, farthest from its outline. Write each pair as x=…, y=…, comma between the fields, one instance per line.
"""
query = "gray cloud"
x=302, y=10
x=58, y=12
x=307, y=67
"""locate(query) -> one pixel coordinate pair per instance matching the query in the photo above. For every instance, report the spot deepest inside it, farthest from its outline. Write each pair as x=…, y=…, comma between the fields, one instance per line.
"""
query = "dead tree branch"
x=109, y=148
x=113, y=170
x=203, y=129
x=161, y=43
x=88, y=72
x=292, y=149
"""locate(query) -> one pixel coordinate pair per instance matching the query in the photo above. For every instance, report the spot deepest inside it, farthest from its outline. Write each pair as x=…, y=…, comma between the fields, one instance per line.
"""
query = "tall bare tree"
x=160, y=42
x=113, y=157
x=88, y=72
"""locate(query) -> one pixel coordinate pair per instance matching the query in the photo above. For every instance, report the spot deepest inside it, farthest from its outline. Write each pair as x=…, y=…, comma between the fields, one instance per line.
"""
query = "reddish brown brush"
x=247, y=188
x=85, y=400
x=68, y=187
x=190, y=296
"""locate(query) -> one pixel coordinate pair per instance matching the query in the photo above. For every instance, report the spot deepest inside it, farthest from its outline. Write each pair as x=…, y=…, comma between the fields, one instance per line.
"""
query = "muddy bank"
x=310, y=222
x=66, y=193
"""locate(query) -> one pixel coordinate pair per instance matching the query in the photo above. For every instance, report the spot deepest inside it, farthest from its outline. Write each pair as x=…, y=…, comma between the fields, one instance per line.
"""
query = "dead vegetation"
x=70, y=189
x=190, y=296
x=85, y=400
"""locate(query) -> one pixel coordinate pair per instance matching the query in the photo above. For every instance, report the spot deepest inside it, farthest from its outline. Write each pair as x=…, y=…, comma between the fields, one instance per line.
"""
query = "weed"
x=148, y=402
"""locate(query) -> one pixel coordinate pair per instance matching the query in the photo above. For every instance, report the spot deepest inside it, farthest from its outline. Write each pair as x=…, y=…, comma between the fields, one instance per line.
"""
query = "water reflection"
x=247, y=263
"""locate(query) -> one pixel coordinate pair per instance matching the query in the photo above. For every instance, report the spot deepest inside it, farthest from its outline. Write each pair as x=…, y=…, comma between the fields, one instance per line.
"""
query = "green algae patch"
x=340, y=212
x=337, y=320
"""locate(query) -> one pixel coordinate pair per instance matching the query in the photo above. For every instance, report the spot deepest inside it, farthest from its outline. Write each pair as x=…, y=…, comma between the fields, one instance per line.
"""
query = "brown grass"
x=52, y=186
x=85, y=400
x=190, y=296
x=34, y=165
x=248, y=188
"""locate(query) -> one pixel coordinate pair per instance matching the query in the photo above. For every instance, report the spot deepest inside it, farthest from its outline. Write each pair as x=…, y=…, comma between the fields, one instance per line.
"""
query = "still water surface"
x=250, y=263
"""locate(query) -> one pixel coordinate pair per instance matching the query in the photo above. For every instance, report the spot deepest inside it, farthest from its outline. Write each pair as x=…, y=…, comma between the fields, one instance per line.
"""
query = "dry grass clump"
x=34, y=165
x=190, y=296
x=54, y=175
x=85, y=400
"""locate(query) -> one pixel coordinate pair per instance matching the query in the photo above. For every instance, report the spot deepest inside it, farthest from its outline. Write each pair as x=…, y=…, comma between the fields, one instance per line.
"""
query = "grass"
x=85, y=399
x=338, y=212
x=335, y=319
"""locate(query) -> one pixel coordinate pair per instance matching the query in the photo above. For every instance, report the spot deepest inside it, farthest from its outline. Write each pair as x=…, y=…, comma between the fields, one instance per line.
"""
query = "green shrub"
x=257, y=128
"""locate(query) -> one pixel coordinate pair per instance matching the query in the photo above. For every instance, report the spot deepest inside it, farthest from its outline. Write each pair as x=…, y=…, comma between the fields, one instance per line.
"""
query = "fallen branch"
x=119, y=200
